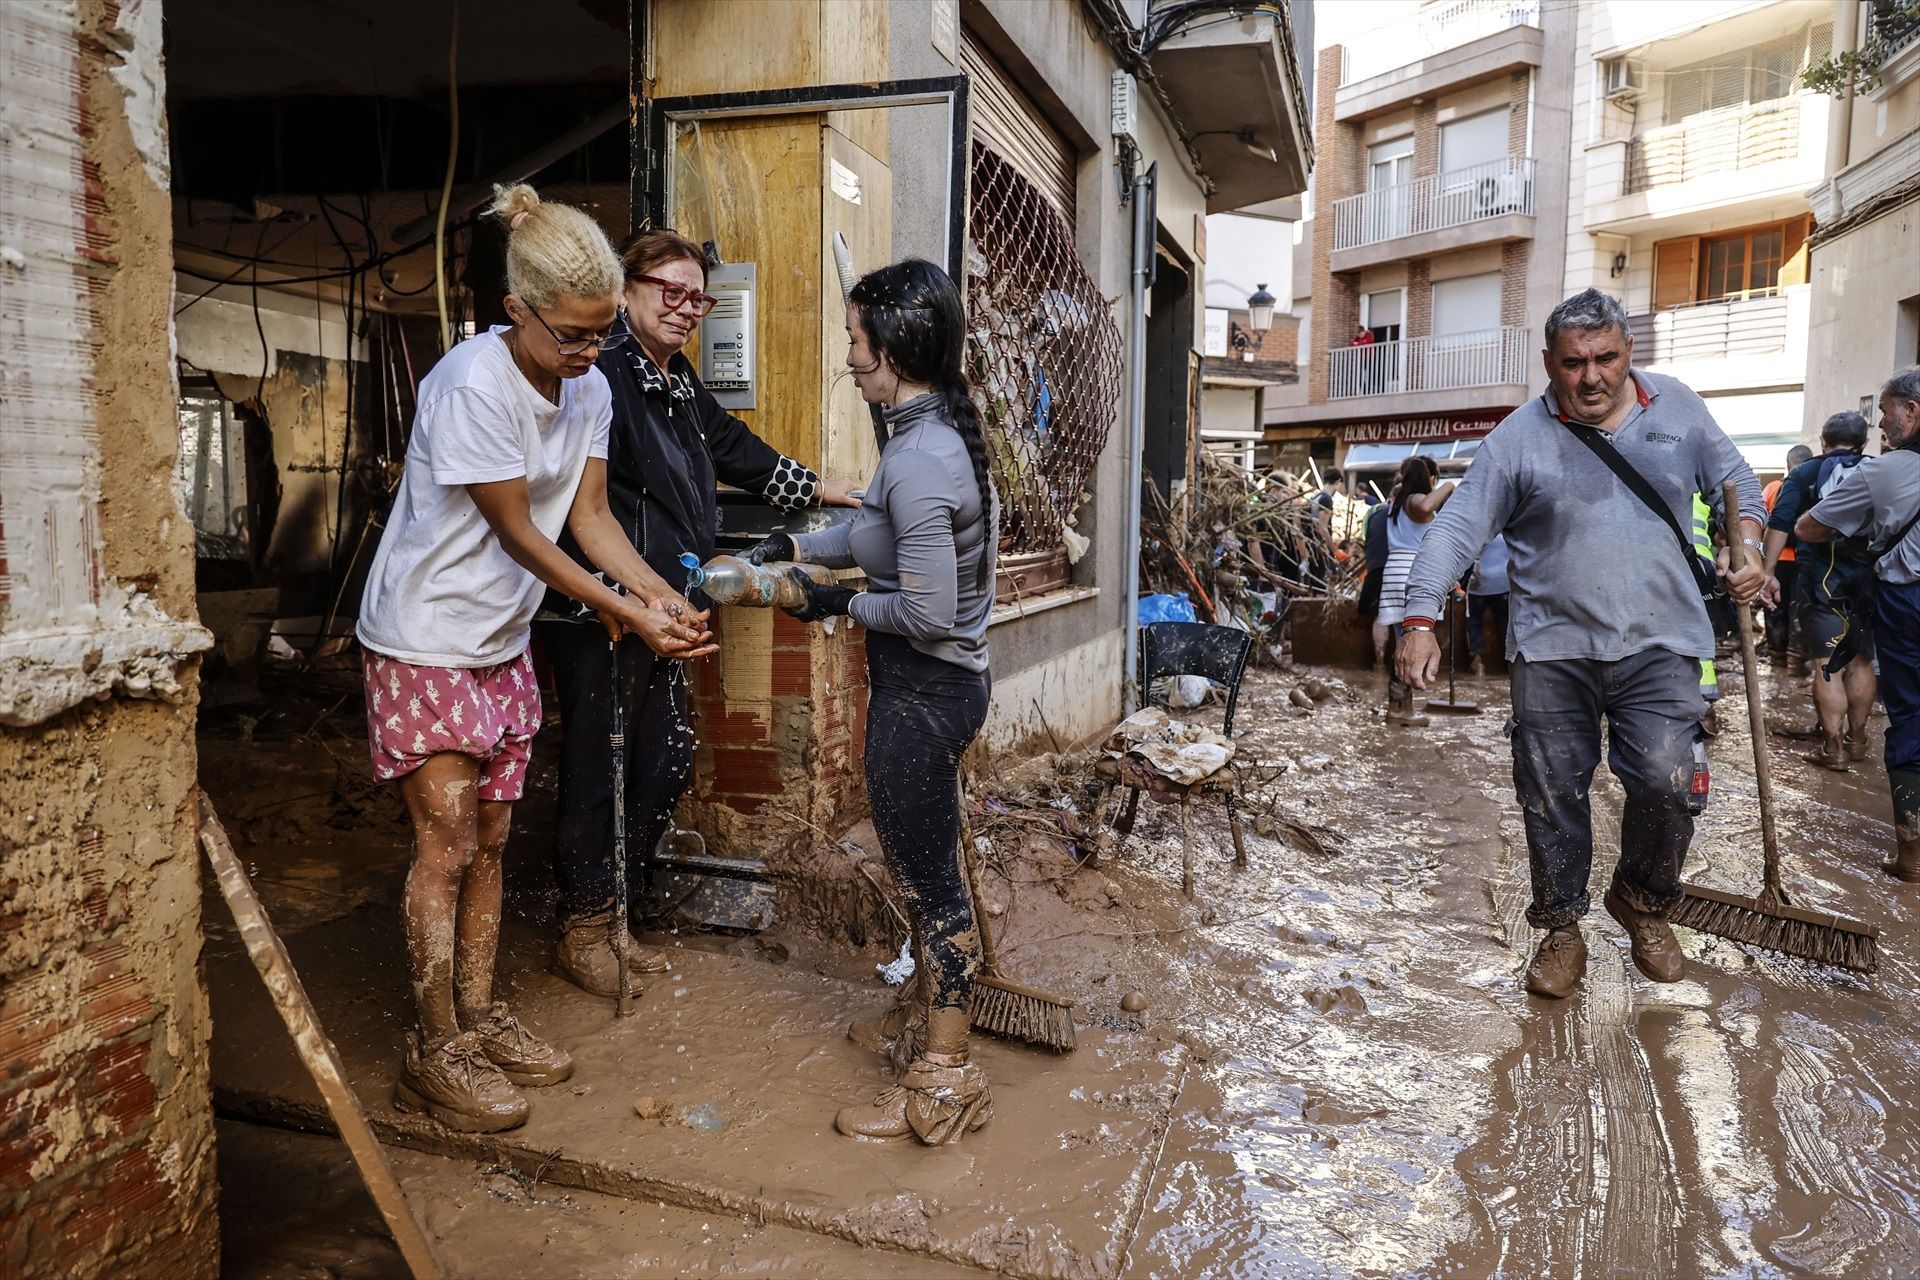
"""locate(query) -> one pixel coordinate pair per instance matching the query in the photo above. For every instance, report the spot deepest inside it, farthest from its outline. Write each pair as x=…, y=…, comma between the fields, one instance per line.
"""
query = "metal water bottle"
x=731, y=580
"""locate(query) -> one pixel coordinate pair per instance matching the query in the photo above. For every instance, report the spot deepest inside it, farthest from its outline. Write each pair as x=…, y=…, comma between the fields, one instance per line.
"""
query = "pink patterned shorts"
x=489, y=713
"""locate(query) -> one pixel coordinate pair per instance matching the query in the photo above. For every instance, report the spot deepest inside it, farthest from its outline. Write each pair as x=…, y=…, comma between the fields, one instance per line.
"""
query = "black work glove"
x=824, y=599
x=778, y=546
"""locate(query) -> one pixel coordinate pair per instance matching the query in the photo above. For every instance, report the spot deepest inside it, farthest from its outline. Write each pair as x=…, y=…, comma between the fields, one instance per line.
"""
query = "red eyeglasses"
x=678, y=295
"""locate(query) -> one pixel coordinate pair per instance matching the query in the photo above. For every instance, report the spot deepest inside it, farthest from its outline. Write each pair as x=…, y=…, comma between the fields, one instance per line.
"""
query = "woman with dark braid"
x=925, y=537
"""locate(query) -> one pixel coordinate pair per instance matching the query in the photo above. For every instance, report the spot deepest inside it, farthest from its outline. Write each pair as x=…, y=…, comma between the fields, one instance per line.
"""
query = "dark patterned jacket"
x=669, y=443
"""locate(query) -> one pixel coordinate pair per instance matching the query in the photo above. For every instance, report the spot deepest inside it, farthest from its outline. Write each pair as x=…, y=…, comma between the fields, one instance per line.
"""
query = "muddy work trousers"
x=1652, y=705
x=922, y=714
x=659, y=757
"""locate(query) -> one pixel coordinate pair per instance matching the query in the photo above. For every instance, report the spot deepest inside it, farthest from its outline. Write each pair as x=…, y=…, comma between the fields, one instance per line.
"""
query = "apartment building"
x=1864, y=259
x=1694, y=147
x=1438, y=236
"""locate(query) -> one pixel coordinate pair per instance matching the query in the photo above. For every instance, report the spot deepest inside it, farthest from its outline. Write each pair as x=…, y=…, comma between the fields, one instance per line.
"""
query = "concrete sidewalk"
x=750, y=1061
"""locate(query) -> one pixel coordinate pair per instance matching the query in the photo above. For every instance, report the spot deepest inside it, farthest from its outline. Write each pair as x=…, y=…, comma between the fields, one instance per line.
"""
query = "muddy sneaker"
x=1858, y=745
x=1478, y=667
x=1558, y=963
x=935, y=1103
x=522, y=1057
x=1655, y=951
x=584, y=955
x=1828, y=755
x=456, y=1085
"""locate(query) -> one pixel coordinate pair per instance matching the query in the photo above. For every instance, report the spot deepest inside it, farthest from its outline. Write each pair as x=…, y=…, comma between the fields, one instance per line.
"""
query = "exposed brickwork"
x=1513, y=282
x=1419, y=300
x=1517, y=114
x=1426, y=140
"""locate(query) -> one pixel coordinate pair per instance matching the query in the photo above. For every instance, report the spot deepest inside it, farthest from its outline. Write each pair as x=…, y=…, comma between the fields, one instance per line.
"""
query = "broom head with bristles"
x=1008, y=1009
x=1776, y=925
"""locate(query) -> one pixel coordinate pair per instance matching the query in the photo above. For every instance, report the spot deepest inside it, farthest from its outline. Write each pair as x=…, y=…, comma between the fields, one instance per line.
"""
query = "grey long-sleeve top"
x=1592, y=573
x=922, y=537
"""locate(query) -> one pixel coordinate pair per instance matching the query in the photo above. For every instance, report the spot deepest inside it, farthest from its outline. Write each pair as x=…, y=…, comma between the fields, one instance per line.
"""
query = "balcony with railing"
x=1759, y=325
x=1730, y=139
x=1434, y=30
x=1445, y=362
x=1458, y=198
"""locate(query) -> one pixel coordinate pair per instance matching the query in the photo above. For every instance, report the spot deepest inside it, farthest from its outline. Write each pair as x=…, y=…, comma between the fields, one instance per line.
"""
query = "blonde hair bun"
x=553, y=250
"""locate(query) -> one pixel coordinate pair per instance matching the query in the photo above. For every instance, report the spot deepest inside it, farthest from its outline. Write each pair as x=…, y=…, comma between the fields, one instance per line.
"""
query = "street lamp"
x=1260, y=311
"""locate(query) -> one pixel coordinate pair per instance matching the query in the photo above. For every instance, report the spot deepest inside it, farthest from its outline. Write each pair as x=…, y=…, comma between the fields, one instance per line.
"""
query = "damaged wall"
x=106, y=1138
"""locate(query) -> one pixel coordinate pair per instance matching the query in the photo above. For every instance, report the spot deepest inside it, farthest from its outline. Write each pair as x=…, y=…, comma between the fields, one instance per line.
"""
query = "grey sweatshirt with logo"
x=922, y=538
x=1593, y=573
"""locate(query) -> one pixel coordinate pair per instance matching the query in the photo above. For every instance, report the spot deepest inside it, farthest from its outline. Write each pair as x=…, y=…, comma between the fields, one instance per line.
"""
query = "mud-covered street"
x=1366, y=1089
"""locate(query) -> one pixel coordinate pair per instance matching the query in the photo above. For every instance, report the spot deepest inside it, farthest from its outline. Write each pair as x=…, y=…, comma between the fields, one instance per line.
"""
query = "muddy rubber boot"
x=1828, y=755
x=1906, y=825
x=941, y=1096
x=584, y=955
x=456, y=1084
x=1478, y=667
x=1400, y=706
x=1558, y=963
x=522, y=1057
x=1656, y=952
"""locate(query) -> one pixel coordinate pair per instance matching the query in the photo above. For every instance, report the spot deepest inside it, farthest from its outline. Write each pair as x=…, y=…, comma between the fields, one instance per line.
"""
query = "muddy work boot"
x=1858, y=745
x=456, y=1084
x=1656, y=953
x=941, y=1096
x=522, y=1057
x=1478, y=667
x=1558, y=964
x=1906, y=825
x=584, y=955
x=1829, y=755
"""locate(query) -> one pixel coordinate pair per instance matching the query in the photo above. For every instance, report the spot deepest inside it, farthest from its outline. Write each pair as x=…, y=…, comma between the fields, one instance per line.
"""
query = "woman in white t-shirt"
x=509, y=447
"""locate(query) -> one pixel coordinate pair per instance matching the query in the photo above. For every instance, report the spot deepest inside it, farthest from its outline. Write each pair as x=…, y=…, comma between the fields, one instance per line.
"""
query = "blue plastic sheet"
x=1166, y=608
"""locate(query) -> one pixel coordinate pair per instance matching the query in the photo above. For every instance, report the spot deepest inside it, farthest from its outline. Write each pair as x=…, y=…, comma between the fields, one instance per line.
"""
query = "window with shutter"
x=1007, y=120
x=1673, y=271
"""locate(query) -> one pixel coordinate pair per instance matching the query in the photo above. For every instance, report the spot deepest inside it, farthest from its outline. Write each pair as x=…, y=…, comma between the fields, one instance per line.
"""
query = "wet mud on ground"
x=1370, y=1091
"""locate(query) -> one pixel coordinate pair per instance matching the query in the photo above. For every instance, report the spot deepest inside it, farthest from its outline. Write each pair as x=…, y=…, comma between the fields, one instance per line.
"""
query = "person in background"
x=669, y=442
x=1416, y=501
x=1835, y=605
x=1608, y=621
x=1880, y=503
x=1487, y=603
x=1783, y=644
x=1327, y=540
x=926, y=538
x=1374, y=541
x=509, y=446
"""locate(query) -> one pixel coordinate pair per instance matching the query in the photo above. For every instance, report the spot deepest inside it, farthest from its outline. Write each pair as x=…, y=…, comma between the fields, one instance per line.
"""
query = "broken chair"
x=1176, y=649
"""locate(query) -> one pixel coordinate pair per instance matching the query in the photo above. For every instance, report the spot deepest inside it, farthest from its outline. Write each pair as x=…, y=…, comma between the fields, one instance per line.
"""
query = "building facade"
x=1863, y=261
x=1438, y=230
x=1694, y=147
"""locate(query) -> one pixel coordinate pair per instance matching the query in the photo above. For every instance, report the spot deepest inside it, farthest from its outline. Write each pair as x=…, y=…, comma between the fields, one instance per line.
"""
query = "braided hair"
x=914, y=320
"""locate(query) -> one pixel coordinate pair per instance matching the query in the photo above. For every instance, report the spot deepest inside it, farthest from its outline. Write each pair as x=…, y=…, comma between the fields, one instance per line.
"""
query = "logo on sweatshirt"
x=1662, y=437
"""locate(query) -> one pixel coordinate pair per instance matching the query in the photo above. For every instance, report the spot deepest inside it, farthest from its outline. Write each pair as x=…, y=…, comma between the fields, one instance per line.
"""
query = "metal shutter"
x=1006, y=120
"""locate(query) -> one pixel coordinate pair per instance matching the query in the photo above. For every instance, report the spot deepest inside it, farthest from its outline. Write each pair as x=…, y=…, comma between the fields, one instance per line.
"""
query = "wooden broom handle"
x=970, y=860
x=1738, y=556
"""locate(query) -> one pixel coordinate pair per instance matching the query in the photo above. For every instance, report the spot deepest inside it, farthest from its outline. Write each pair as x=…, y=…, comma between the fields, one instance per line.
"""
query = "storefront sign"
x=1439, y=426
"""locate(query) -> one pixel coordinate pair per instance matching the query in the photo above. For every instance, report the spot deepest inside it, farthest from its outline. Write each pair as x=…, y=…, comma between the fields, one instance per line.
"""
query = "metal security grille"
x=1042, y=350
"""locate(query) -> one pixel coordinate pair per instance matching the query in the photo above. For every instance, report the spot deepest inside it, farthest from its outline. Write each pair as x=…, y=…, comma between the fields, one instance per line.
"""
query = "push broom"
x=1769, y=920
x=1000, y=1007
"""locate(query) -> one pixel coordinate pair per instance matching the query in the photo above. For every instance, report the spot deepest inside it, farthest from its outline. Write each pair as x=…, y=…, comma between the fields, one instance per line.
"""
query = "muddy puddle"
x=1382, y=1098
x=1371, y=1092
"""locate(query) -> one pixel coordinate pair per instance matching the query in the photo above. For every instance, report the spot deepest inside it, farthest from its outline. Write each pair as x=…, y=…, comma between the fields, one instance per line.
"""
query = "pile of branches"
x=1233, y=536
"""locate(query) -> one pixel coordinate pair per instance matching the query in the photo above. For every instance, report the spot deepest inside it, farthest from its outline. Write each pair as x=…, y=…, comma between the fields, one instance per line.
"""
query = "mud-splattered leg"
x=442, y=799
x=477, y=932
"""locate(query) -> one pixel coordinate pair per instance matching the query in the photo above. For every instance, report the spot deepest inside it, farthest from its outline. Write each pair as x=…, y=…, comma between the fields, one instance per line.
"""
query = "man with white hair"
x=1879, y=504
x=1592, y=485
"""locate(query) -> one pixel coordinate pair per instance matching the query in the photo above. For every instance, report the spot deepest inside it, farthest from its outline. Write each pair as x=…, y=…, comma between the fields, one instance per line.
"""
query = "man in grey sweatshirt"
x=1606, y=619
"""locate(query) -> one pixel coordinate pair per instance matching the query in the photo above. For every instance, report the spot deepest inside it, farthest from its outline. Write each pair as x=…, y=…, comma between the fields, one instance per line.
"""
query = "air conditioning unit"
x=1497, y=194
x=1621, y=79
x=1126, y=108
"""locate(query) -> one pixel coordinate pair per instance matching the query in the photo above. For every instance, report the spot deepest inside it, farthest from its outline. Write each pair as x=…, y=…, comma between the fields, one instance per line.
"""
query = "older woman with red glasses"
x=670, y=442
